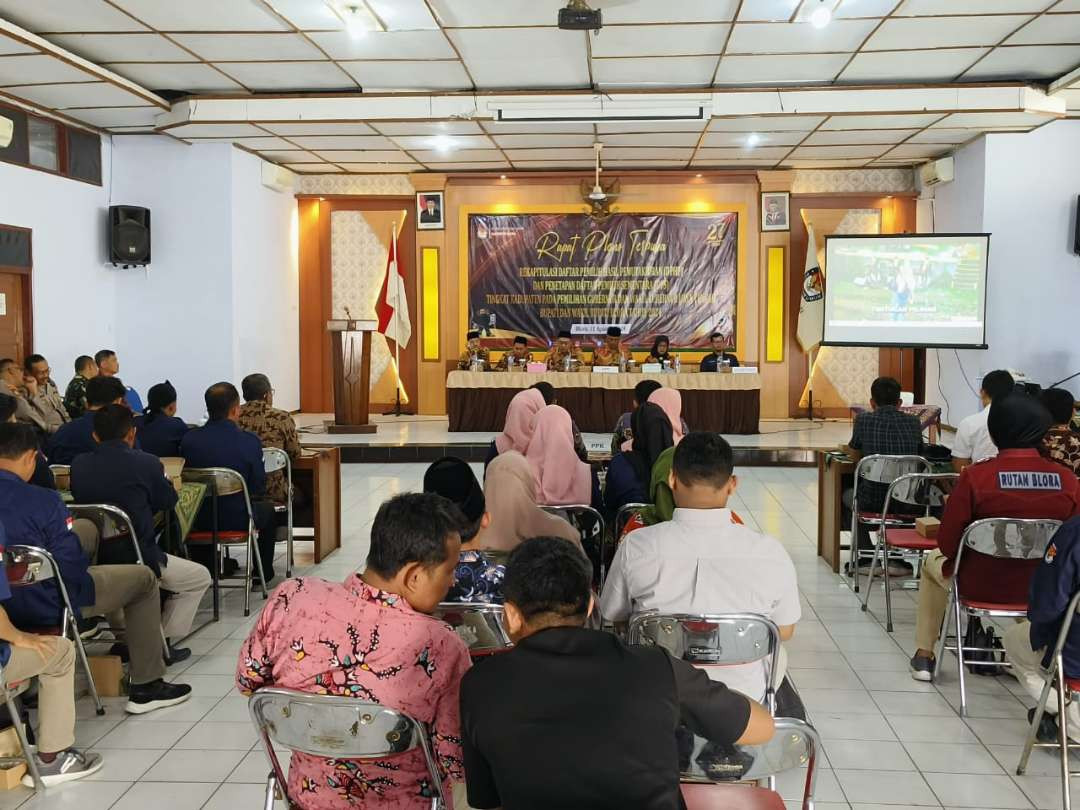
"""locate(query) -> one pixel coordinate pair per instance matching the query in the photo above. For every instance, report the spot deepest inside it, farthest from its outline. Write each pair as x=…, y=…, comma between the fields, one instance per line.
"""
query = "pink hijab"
x=670, y=402
x=518, y=427
x=561, y=477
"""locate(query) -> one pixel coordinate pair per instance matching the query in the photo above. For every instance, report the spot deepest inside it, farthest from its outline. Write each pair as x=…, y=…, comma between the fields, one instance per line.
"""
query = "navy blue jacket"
x=161, y=435
x=709, y=361
x=74, y=437
x=33, y=516
x=222, y=443
x=623, y=485
x=1056, y=581
x=132, y=480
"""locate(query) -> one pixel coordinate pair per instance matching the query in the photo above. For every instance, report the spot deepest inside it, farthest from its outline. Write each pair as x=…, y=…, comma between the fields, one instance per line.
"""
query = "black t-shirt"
x=708, y=363
x=573, y=718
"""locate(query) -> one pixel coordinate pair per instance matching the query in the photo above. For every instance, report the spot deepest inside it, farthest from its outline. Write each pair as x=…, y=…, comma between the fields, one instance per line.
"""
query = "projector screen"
x=908, y=290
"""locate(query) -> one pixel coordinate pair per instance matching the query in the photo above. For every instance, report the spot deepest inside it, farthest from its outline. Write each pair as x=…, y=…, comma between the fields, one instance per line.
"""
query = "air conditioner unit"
x=7, y=128
x=277, y=177
x=936, y=171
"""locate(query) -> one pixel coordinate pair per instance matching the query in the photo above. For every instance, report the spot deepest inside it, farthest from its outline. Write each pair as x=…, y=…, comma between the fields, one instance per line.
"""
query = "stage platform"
x=787, y=442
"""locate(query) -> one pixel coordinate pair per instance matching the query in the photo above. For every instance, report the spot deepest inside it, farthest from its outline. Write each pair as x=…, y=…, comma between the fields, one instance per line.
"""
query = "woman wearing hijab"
x=670, y=402
x=518, y=426
x=510, y=492
x=159, y=430
x=561, y=477
x=1017, y=483
x=630, y=471
x=660, y=352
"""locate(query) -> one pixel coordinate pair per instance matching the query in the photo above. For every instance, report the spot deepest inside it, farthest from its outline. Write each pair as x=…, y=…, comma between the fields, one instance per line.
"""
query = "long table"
x=476, y=401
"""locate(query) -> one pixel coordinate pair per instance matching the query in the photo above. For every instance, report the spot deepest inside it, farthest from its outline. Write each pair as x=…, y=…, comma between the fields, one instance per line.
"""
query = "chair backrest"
x=28, y=565
x=479, y=624
x=884, y=469
x=624, y=515
x=1009, y=538
x=330, y=726
x=919, y=489
x=110, y=520
x=274, y=459
x=221, y=480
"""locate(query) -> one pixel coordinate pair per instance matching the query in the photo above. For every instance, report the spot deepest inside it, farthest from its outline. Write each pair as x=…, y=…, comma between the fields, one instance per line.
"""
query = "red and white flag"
x=392, y=307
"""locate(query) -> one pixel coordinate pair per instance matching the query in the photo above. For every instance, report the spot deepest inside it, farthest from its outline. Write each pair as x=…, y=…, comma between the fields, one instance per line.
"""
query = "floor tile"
x=890, y=787
x=868, y=755
x=166, y=796
x=144, y=735
x=253, y=768
x=949, y=729
x=911, y=704
x=997, y=731
x=952, y=758
x=978, y=791
x=125, y=764
x=219, y=736
x=181, y=765
x=850, y=701
x=234, y=796
x=78, y=796
x=832, y=726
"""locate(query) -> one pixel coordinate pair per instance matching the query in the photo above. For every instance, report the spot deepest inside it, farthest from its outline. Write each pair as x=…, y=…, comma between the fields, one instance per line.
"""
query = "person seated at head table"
x=33, y=516
x=24, y=389
x=109, y=365
x=42, y=476
x=371, y=637
x=1061, y=443
x=77, y=436
x=593, y=705
x=518, y=425
x=972, y=441
x=47, y=397
x=612, y=352
x=75, y=394
x=719, y=354
x=630, y=469
x=473, y=351
x=659, y=353
x=564, y=349
x=273, y=426
x=135, y=481
x=562, y=478
x=158, y=428
x=702, y=561
x=50, y=659
x=1016, y=483
x=222, y=443
x=520, y=353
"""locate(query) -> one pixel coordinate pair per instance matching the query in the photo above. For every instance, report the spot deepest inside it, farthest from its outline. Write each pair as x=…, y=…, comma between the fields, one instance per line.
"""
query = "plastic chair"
x=912, y=489
x=223, y=482
x=275, y=459
x=11, y=701
x=1003, y=539
x=112, y=522
x=335, y=727
x=794, y=745
x=881, y=469
x=479, y=624
x=574, y=513
x=26, y=566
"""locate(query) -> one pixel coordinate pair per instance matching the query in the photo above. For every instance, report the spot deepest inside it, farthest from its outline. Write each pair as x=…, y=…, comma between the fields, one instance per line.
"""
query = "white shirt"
x=701, y=562
x=973, y=438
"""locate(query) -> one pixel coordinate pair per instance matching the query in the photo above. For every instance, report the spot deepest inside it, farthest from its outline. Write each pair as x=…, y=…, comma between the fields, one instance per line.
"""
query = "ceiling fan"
x=601, y=196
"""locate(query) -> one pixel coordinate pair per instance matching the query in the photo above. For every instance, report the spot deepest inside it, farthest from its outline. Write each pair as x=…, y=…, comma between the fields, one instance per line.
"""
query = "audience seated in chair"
x=630, y=469
x=75, y=393
x=43, y=476
x=77, y=436
x=1017, y=483
x=109, y=366
x=118, y=474
x=702, y=561
x=370, y=637
x=273, y=426
x=1061, y=443
x=37, y=517
x=973, y=441
x=24, y=389
x=562, y=478
x=46, y=398
x=158, y=428
x=572, y=717
x=519, y=423
x=222, y=443
x=551, y=397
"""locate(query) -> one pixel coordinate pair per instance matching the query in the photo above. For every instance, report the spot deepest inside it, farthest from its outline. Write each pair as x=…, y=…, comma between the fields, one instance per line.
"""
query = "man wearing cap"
x=472, y=349
x=520, y=353
x=564, y=347
x=612, y=351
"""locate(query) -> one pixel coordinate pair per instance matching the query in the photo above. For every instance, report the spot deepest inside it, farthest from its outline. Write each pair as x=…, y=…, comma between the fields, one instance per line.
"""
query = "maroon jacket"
x=985, y=490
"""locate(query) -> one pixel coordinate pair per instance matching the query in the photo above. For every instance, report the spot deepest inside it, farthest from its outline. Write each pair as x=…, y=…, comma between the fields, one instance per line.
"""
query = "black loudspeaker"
x=129, y=234
x=1076, y=240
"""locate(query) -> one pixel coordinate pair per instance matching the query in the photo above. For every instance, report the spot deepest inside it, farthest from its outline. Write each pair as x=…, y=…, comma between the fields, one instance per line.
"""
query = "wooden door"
x=16, y=325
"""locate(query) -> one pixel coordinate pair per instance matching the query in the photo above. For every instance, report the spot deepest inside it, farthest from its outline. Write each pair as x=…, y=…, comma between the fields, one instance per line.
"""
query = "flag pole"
x=810, y=383
x=397, y=345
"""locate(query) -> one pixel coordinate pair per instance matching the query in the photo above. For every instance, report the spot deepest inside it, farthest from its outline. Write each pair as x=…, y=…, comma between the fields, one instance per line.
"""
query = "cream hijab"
x=510, y=492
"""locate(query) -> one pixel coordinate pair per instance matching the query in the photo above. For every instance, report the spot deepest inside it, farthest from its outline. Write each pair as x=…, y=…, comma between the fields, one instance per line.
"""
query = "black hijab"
x=1017, y=421
x=652, y=436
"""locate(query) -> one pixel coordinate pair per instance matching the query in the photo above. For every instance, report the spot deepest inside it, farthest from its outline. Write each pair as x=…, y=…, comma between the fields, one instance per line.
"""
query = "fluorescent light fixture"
x=752, y=140
x=442, y=143
x=7, y=128
x=821, y=16
x=358, y=19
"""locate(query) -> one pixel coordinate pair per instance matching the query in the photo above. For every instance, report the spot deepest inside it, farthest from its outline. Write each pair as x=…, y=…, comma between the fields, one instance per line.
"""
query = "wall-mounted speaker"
x=129, y=235
x=1076, y=219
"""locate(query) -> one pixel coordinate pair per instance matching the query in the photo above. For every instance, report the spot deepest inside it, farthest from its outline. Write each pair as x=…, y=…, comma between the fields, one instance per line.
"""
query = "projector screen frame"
x=906, y=345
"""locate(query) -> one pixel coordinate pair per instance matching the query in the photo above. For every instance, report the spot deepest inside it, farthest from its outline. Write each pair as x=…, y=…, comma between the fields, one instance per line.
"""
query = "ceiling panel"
x=376, y=76
x=1068, y=5
x=780, y=69
x=290, y=156
x=660, y=40
x=667, y=71
x=865, y=8
x=234, y=130
x=39, y=69
x=306, y=15
x=910, y=66
x=549, y=154
x=992, y=120
x=553, y=164
x=724, y=162
x=1048, y=29
x=932, y=7
x=1027, y=62
x=455, y=155
x=859, y=136
x=838, y=36
x=338, y=128
x=262, y=144
x=343, y=142
x=834, y=163
x=463, y=166
x=654, y=163
x=403, y=15
x=313, y=168
x=741, y=139
x=671, y=11
x=364, y=156
x=829, y=152
x=289, y=76
x=651, y=126
x=380, y=168
x=528, y=127
x=202, y=15
x=523, y=57
x=881, y=121
x=646, y=153
x=936, y=135
x=249, y=47
x=763, y=153
x=110, y=117
x=777, y=10
x=547, y=140
x=192, y=76
x=385, y=45
x=488, y=13
x=918, y=150
x=59, y=96
x=10, y=47
x=766, y=123
x=64, y=15
x=443, y=142
x=1072, y=99
x=429, y=128
x=912, y=33
x=103, y=48
x=652, y=139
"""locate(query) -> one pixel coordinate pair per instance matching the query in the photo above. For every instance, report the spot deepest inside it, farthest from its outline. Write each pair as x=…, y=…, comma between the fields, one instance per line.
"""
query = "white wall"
x=1022, y=189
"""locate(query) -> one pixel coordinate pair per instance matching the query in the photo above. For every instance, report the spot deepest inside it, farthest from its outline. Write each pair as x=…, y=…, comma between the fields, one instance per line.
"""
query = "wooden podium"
x=350, y=353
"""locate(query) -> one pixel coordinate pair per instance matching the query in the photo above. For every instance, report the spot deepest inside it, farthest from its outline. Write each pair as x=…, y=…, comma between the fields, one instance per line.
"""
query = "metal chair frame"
x=274, y=459
x=899, y=461
x=577, y=510
x=1055, y=678
x=40, y=567
x=979, y=537
x=216, y=479
x=13, y=707
x=492, y=614
x=623, y=516
x=308, y=724
x=881, y=550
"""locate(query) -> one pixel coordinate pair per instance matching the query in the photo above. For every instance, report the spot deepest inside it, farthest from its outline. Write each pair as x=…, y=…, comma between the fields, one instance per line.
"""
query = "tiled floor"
x=889, y=742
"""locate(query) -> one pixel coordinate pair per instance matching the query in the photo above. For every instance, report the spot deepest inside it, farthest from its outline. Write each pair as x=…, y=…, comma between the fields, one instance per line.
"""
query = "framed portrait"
x=429, y=211
x=774, y=211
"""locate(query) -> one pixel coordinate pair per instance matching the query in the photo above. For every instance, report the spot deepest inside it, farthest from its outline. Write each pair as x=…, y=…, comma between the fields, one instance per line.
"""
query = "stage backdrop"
x=671, y=274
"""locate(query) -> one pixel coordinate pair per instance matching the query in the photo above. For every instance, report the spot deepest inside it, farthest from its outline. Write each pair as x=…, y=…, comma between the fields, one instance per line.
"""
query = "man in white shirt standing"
x=702, y=562
x=972, y=442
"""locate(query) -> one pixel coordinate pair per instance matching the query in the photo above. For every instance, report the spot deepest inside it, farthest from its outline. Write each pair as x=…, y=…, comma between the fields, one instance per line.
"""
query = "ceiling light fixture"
x=502, y=176
x=357, y=20
x=442, y=143
x=821, y=16
x=752, y=140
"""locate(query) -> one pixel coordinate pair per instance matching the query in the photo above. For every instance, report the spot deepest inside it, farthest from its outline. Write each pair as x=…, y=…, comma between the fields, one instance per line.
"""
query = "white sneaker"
x=68, y=766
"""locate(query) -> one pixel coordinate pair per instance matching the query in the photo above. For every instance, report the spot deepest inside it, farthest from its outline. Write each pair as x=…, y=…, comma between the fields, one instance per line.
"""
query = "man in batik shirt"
x=273, y=426
x=1061, y=443
x=370, y=638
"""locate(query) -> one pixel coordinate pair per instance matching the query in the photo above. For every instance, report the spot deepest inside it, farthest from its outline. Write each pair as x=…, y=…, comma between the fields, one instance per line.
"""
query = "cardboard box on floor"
x=11, y=775
x=108, y=674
